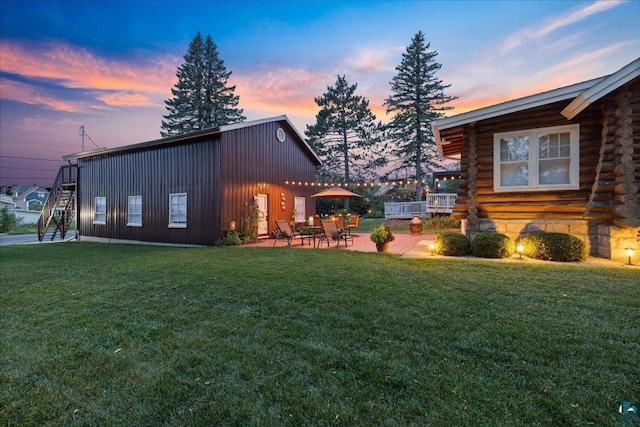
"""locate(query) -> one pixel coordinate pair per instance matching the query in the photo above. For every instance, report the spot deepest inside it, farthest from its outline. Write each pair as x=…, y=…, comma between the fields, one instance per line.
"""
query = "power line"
x=87, y=135
x=24, y=177
x=32, y=158
x=34, y=142
x=29, y=169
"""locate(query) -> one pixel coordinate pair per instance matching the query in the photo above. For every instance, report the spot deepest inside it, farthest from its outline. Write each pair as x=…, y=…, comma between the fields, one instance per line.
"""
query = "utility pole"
x=82, y=135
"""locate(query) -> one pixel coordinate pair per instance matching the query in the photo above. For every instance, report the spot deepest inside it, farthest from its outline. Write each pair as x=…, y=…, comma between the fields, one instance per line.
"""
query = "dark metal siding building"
x=221, y=172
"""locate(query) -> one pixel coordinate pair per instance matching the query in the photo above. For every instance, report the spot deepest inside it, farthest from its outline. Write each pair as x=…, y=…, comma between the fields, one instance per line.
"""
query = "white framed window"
x=178, y=210
x=299, y=204
x=134, y=218
x=100, y=210
x=537, y=159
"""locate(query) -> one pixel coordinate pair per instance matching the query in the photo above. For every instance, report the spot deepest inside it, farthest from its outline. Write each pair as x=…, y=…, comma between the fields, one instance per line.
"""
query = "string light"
x=357, y=184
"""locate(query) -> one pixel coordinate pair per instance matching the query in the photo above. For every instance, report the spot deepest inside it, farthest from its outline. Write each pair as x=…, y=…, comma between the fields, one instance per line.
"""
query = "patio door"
x=263, y=214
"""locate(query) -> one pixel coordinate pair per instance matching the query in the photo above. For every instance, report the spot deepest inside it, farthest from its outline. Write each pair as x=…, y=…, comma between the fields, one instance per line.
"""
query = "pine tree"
x=345, y=136
x=418, y=98
x=201, y=97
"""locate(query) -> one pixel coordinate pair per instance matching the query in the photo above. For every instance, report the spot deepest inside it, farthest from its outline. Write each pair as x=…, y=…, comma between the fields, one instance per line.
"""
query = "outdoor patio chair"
x=331, y=231
x=354, y=222
x=286, y=232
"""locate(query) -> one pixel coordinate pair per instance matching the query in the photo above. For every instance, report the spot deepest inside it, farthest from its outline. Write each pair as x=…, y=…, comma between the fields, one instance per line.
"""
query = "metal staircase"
x=60, y=208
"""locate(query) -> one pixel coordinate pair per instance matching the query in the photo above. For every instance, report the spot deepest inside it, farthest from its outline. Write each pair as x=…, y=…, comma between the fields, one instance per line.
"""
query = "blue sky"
x=109, y=65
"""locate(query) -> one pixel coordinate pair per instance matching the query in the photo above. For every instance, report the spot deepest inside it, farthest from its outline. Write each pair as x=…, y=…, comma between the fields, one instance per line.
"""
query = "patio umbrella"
x=335, y=193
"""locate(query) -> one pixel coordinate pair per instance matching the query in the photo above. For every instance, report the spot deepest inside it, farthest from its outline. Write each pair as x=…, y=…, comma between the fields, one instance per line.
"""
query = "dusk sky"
x=109, y=65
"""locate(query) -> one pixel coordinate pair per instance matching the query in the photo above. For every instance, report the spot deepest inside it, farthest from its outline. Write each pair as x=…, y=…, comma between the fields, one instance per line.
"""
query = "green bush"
x=554, y=247
x=492, y=245
x=451, y=244
x=229, y=238
x=442, y=222
x=8, y=220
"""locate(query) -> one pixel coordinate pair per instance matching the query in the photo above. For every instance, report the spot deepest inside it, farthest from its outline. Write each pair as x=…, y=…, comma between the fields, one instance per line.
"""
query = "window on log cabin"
x=537, y=159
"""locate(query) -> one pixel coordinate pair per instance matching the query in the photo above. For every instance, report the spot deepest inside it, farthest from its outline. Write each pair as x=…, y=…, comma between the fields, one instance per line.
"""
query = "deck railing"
x=434, y=203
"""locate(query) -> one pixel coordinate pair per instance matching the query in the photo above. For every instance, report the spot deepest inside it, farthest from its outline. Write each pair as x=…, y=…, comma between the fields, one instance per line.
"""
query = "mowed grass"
x=123, y=335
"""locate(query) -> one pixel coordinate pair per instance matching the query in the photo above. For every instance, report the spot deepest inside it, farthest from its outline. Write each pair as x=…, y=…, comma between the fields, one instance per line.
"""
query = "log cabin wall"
x=608, y=180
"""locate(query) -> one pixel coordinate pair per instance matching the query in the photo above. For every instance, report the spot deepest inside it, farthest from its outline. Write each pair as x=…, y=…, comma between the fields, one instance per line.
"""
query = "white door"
x=263, y=211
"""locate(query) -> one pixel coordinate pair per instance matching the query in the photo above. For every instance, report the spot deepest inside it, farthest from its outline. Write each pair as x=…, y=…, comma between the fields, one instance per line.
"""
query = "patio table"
x=311, y=231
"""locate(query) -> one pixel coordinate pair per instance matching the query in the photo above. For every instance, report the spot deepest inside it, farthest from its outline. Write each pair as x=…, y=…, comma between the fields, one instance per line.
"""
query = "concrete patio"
x=404, y=244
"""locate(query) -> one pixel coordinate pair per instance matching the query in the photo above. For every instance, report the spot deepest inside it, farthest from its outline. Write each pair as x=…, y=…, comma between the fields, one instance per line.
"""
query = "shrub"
x=451, y=244
x=8, y=220
x=382, y=234
x=442, y=222
x=554, y=247
x=492, y=245
x=230, y=238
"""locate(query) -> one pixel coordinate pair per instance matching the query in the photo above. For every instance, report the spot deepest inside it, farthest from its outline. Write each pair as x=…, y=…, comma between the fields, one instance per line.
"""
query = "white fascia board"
x=516, y=105
x=602, y=88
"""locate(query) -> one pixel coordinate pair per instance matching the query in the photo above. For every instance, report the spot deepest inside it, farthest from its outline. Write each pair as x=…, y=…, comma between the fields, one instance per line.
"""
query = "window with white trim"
x=300, y=209
x=178, y=210
x=100, y=210
x=134, y=218
x=537, y=159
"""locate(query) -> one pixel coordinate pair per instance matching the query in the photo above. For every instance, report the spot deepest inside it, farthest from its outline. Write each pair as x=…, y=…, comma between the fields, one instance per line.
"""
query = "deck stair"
x=60, y=208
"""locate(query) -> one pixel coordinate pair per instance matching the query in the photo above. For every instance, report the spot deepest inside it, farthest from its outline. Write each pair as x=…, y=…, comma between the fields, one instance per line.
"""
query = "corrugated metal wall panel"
x=255, y=162
x=153, y=174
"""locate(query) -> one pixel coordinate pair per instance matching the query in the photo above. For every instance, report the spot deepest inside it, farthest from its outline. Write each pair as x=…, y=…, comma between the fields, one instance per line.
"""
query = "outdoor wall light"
x=629, y=252
x=519, y=249
x=432, y=247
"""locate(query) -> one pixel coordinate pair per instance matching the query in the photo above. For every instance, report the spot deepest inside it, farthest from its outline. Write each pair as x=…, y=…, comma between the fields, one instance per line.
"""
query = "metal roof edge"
x=515, y=105
x=199, y=133
x=602, y=88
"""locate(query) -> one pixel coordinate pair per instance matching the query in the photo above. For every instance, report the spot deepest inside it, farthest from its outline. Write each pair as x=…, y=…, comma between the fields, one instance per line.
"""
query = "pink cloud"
x=27, y=94
x=281, y=90
x=78, y=68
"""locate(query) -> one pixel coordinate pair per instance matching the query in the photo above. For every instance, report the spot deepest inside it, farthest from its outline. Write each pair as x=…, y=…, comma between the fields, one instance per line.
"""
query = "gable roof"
x=582, y=95
x=196, y=134
x=602, y=88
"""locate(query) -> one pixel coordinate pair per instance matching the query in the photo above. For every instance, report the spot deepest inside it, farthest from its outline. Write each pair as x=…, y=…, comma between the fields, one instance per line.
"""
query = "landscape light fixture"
x=432, y=247
x=629, y=252
x=520, y=249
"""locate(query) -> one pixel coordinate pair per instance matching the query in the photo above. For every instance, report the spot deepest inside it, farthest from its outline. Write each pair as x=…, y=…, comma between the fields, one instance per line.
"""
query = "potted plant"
x=381, y=236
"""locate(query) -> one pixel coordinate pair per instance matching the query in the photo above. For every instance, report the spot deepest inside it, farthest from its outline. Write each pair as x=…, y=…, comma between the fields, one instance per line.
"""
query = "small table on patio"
x=310, y=231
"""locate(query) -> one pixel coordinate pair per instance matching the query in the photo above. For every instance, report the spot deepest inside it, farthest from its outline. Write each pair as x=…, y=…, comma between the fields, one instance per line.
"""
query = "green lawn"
x=119, y=335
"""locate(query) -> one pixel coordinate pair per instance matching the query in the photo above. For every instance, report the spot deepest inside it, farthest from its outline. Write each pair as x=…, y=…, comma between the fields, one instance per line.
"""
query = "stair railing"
x=67, y=175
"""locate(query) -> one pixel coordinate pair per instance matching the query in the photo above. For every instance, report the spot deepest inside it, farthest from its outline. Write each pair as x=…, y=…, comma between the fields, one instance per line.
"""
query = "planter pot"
x=382, y=247
x=415, y=225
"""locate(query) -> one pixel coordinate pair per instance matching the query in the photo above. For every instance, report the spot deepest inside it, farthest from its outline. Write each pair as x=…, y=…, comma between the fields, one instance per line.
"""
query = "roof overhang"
x=192, y=135
x=602, y=88
x=513, y=106
x=448, y=130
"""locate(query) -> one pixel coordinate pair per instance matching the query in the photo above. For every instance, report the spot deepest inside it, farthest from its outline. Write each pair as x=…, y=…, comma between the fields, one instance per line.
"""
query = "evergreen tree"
x=345, y=135
x=201, y=97
x=418, y=99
